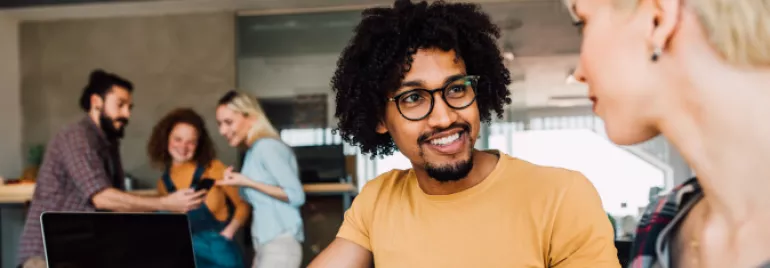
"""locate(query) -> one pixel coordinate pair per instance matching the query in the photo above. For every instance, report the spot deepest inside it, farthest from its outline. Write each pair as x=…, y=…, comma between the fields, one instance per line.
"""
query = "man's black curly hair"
x=374, y=63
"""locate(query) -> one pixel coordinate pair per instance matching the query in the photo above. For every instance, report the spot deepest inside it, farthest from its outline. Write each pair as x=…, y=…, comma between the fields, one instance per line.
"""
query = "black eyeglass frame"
x=474, y=82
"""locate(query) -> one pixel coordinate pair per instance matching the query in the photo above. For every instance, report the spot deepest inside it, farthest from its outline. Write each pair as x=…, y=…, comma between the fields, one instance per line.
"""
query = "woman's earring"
x=656, y=53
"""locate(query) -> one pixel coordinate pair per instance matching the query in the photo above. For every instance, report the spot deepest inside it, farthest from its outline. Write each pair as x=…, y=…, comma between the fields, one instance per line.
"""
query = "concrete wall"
x=11, y=161
x=173, y=61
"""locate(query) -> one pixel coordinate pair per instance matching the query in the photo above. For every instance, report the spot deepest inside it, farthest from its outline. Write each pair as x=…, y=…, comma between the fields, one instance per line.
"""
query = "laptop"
x=106, y=239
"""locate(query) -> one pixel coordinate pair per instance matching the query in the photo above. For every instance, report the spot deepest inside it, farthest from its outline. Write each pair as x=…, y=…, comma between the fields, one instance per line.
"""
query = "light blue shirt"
x=272, y=162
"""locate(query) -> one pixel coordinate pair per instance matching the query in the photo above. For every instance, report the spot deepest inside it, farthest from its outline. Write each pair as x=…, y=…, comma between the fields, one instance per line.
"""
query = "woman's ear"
x=665, y=22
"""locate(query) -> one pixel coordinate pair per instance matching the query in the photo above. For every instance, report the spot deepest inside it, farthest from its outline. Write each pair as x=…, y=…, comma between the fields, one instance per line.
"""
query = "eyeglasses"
x=417, y=104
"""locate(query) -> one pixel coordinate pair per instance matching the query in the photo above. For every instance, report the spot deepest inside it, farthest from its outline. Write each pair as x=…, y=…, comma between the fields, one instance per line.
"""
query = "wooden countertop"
x=16, y=193
x=330, y=188
x=21, y=193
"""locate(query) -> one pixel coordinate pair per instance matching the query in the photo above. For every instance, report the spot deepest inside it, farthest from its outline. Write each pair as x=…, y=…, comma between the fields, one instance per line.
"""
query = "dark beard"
x=108, y=126
x=450, y=173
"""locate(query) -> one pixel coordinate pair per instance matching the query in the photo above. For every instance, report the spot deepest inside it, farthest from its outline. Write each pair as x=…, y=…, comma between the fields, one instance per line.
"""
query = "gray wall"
x=11, y=162
x=173, y=61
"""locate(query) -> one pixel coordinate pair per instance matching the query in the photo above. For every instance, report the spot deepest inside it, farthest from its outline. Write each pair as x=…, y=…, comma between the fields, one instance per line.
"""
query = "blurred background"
x=187, y=53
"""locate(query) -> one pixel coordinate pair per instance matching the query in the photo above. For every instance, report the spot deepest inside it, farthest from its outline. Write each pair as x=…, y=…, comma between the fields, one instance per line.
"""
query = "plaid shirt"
x=79, y=162
x=650, y=248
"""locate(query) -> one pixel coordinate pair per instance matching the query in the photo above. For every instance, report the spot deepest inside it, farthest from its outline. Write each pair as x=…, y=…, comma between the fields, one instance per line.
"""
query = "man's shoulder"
x=77, y=128
x=388, y=180
x=522, y=173
x=385, y=184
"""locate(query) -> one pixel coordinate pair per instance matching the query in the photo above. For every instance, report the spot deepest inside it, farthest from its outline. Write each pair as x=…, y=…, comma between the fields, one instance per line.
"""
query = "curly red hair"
x=157, y=147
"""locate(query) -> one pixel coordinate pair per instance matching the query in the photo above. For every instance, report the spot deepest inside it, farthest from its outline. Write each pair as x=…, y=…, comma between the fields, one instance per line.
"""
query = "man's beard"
x=108, y=126
x=449, y=172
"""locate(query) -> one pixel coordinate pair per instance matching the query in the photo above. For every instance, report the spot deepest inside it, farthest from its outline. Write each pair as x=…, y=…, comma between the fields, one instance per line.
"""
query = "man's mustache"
x=424, y=137
x=122, y=120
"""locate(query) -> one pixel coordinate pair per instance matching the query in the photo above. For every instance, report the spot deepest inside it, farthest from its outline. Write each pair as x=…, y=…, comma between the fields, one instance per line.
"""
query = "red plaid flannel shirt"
x=654, y=222
x=75, y=167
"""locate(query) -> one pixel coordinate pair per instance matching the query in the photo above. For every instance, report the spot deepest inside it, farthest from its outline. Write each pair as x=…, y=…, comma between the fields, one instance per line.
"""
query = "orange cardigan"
x=182, y=175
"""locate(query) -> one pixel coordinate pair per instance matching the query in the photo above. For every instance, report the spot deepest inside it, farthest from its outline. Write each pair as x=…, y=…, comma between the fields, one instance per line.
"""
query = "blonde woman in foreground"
x=697, y=71
x=269, y=181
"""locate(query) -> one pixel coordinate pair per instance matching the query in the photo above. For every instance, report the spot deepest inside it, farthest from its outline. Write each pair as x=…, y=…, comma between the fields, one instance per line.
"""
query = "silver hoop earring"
x=657, y=51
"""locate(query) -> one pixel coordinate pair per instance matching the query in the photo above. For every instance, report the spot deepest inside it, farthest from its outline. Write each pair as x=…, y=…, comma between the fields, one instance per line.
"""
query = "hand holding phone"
x=204, y=184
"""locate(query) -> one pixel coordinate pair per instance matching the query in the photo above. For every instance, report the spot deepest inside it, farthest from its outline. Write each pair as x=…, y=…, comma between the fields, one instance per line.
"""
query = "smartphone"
x=204, y=184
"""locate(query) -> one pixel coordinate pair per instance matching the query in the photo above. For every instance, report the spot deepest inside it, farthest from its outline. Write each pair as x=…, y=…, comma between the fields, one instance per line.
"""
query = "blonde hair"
x=738, y=29
x=249, y=106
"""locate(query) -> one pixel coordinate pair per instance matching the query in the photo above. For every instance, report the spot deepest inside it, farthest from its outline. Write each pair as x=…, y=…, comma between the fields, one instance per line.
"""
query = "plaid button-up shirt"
x=79, y=162
x=651, y=248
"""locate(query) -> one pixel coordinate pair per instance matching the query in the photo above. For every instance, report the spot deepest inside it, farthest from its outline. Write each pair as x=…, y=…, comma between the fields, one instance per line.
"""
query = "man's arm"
x=119, y=201
x=85, y=167
x=581, y=235
x=343, y=254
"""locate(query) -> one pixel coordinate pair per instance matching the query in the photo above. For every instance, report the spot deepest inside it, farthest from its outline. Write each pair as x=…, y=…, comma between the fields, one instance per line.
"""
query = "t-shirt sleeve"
x=582, y=235
x=357, y=223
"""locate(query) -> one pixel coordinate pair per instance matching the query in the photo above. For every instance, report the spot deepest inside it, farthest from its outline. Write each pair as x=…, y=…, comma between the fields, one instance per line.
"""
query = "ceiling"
x=39, y=3
x=73, y=9
x=538, y=32
x=295, y=34
x=529, y=28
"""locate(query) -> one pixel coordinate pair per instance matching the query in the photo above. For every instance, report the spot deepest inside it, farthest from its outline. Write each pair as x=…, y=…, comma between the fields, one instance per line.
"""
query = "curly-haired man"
x=420, y=78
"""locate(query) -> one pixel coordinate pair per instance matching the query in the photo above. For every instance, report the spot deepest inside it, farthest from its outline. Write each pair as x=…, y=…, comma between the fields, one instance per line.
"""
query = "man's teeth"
x=445, y=140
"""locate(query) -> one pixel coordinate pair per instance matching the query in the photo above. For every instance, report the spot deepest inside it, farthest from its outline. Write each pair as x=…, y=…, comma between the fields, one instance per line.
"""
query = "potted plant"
x=34, y=159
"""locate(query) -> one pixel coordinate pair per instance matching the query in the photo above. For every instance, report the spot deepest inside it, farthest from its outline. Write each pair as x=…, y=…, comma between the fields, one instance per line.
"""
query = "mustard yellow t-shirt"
x=521, y=215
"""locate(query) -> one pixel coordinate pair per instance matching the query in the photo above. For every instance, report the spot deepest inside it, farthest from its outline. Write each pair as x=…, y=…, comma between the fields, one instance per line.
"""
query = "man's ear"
x=96, y=102
x=381, y=128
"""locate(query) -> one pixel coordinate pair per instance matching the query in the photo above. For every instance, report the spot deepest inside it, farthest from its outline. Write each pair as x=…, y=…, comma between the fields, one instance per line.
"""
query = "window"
x=623, y=180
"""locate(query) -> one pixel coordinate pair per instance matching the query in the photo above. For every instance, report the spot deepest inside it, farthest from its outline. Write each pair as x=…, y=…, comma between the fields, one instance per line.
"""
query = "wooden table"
x=321, y=188
x=20, y=194
x=347, y=190
x=15, y=197
x=16, y=193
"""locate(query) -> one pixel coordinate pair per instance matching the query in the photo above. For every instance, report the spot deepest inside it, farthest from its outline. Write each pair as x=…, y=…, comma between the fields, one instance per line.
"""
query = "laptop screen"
x=86, y=240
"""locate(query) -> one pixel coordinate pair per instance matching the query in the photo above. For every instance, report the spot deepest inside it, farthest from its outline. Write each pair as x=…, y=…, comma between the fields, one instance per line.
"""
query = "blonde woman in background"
x=697, y=71
x=269, y=181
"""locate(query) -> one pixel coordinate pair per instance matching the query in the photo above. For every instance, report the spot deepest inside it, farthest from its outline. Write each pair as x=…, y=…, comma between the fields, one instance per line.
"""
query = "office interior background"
x=187, y=53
